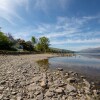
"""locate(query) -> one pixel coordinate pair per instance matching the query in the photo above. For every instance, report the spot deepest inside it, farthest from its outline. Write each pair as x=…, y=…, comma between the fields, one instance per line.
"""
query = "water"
x=85, y=64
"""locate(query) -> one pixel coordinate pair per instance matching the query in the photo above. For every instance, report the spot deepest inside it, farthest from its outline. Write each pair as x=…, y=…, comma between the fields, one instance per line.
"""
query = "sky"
x=69, y=24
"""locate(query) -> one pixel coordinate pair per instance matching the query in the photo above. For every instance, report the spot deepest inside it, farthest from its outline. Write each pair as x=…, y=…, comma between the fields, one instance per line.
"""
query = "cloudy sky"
x=69, y=24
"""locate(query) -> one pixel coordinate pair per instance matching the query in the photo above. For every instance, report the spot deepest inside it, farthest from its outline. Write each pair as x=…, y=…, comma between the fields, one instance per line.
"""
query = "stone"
x=59, y=90
x=36, y=79
x=89, y=98
x=71, y=80
x=19, y=98
x=49, y=94
x=87, y=90
x=1, y=96
x=60, y=69
x=44, y=83
x=70, y=72
x=24, y=71
x=67, y=74
x=3, y=82
x=31, y=95
x=37, y=93
x=71, y=88
x=83, y=77
x=6, y=98
x=75, y=74
x=32, y=87
x=39, y=97
x=83, y=97
x=44, y=75
x=95, y=92
x=73, y=94
x=1, y=88
x=14, y=93
x=86, y=83
x=70, y=98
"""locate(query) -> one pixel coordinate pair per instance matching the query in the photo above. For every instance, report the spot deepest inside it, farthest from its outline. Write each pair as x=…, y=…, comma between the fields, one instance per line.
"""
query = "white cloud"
x=70, y=28
x=76, y=41
x=47, y=5
x=8, y=9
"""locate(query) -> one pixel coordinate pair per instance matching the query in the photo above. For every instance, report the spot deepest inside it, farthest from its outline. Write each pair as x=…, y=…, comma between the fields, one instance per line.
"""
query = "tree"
x=33, y=40
x=38, y=47
x=44, y=42
x=0, y=29
x=5, y=43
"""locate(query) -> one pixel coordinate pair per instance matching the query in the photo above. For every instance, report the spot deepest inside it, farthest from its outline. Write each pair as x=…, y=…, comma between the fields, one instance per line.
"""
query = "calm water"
x=85, y=64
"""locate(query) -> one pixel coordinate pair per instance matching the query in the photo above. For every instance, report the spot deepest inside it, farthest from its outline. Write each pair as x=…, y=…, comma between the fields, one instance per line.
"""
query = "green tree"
x=26, y=45
x=44, y=42
x=5, y=43
x=33, y=39
x=38, y=47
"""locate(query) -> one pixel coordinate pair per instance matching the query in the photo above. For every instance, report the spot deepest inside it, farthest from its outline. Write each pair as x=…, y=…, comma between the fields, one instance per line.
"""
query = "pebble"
x=70, y=88
x=71, y=80
x=60, y=69
x=1, y=88
x=26, y=81
x=59, y=90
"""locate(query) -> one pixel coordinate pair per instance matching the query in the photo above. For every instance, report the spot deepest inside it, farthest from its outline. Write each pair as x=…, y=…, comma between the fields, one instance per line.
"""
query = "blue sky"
x=69, y=24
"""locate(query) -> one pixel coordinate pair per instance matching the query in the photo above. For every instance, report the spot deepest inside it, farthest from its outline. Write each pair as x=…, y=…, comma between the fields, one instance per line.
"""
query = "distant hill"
x=91, y=50
x=57, y=50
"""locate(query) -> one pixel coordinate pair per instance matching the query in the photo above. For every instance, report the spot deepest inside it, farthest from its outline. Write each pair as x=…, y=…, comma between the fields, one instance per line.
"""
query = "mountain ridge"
x=91, y=50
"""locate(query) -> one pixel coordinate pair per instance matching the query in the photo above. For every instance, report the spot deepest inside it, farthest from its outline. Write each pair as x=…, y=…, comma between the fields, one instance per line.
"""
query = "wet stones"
x=60, y=69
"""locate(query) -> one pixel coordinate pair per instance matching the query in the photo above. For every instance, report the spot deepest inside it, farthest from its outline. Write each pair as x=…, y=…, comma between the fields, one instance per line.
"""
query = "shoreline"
x=21, y=78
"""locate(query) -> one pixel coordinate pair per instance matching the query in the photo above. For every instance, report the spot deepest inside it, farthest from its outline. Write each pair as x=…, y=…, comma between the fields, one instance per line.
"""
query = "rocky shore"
x=22, y=79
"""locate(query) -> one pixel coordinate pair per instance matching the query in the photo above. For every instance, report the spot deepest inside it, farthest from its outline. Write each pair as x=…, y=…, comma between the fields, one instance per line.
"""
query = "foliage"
x=25, y=45
x=33, y=39
x=5, y=43
x=43, y=44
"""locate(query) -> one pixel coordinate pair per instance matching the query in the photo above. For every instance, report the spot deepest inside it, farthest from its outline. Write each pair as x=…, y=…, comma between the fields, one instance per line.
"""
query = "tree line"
x=41, y=45
x=7, y=42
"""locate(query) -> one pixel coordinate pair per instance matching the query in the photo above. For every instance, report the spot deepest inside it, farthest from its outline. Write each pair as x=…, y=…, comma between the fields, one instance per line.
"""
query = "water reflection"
x=85, y=65
x=89, y=65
